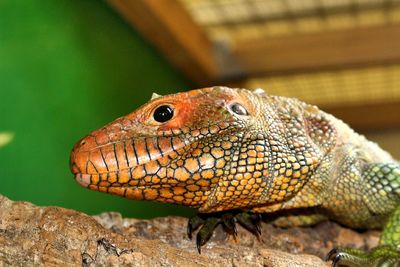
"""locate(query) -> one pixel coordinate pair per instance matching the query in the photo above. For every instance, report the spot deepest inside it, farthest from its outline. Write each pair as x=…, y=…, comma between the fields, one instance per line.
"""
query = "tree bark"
x=54, y=236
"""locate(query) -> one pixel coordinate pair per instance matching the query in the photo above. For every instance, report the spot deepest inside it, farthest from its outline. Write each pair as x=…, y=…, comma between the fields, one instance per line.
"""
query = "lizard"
x=234, y=154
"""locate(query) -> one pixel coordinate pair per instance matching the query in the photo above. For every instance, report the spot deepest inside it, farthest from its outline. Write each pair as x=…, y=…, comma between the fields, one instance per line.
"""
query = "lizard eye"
x=238, y=109
x=163, y=113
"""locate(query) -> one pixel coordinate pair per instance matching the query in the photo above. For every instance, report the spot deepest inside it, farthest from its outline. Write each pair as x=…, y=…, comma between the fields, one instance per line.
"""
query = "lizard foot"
x=383, y=255
x=207, y=222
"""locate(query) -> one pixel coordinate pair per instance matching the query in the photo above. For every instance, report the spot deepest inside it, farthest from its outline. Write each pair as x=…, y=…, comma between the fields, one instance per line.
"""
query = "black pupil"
x=239, y=109
x=163, y=113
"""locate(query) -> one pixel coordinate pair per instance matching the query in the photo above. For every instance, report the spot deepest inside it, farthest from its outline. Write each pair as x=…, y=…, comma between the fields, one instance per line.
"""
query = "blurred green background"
x=68, y=67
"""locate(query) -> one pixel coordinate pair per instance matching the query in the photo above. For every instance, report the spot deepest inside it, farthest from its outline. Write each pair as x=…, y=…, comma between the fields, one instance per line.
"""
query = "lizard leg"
x=387, y=253
x=207, y=222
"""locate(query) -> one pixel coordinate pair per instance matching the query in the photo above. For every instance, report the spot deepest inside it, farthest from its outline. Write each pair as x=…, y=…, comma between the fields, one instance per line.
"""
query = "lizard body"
x=220, y=150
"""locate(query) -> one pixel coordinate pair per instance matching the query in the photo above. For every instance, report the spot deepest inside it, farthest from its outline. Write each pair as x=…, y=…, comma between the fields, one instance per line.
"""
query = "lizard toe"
x=251, y=222
x=381, y=256
x=206, y=231
x=194, y=223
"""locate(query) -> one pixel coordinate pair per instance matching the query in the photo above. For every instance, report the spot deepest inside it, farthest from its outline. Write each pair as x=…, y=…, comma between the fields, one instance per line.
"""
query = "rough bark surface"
x=54, y=236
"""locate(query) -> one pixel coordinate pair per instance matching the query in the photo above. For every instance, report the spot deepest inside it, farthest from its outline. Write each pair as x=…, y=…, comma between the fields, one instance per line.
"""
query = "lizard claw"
x=205, y=232
x=251, y=222
x=334, y=256
x=207, y=222
x=193, y=224
x=380, y=256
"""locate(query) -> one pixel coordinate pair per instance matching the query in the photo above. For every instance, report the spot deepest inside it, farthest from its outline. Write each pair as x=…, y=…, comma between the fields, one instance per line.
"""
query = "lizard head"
x=175, y=148
x=211, y=148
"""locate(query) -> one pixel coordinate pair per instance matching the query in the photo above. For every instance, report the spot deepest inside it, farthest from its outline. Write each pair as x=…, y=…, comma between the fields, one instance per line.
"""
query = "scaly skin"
x=233, y=154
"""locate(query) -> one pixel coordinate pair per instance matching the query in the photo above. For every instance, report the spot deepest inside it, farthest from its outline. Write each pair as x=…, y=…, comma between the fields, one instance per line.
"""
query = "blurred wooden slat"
x=333, y=49
x=171, y=29
x=368, y=116
x=387, y=139
x=168, y=26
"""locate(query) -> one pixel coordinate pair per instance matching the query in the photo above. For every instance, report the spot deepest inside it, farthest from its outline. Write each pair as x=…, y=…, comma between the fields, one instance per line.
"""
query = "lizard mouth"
x=107, y=180
x=83, y=179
